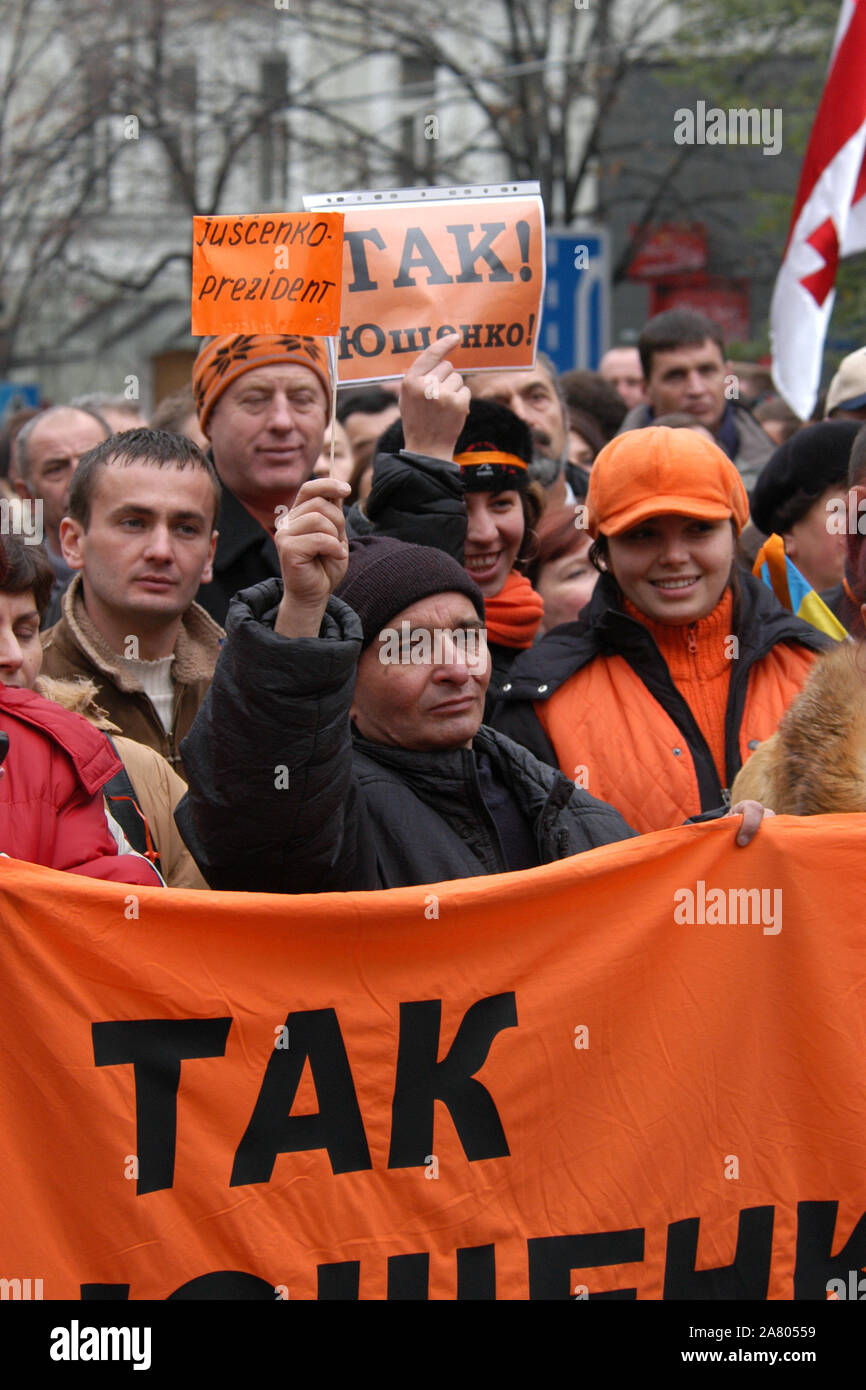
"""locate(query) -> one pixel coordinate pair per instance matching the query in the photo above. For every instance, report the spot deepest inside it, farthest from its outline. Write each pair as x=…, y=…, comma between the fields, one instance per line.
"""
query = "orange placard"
x=267, y=273
x=638, y=1069
x=416, y=271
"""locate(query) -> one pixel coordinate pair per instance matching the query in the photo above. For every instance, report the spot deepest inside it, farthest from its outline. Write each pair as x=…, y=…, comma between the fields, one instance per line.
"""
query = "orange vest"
x=612, y=737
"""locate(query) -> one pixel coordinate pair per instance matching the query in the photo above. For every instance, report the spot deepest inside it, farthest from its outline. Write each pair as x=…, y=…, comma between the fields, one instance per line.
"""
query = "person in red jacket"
x=51, y=806
x=54, y=767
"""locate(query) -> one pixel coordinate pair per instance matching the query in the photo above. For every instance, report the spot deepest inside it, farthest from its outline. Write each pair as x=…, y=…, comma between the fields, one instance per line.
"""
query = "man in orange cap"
x=263, y=402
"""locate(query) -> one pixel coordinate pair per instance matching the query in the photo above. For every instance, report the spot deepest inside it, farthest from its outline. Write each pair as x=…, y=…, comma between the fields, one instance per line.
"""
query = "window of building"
x=274, y=136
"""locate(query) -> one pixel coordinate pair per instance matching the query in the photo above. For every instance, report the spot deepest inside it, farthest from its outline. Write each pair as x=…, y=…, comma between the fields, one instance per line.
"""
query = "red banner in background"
x=726, y=302
x=669, y=248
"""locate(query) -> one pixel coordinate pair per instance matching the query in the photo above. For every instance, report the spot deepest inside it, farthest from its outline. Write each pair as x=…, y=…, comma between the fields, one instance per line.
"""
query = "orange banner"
x=267, y=273
x=416, y=271
x=635, y=1073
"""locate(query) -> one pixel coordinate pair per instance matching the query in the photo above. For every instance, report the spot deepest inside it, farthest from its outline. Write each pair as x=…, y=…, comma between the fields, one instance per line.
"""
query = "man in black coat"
x=340, y=745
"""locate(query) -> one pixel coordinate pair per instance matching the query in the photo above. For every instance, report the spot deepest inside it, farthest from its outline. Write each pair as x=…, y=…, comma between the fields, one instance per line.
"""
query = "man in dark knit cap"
x=478, y=504
x=341, y=744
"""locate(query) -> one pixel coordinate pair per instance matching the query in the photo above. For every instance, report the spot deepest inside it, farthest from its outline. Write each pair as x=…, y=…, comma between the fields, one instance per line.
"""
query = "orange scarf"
x=514, y=614
x=698, y=657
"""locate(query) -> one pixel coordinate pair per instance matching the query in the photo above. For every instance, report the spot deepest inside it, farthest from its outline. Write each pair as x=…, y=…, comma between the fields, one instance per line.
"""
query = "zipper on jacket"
x=174, y=759
x=677, y=708
x=546, y=836
x=691, y=638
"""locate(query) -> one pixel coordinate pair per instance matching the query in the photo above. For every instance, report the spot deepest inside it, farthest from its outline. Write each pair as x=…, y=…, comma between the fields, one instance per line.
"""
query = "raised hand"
x=313, y=552
x=434, y=402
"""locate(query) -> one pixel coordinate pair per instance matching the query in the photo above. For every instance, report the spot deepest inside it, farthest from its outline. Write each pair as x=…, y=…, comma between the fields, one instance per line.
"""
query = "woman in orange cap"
x=682, y=662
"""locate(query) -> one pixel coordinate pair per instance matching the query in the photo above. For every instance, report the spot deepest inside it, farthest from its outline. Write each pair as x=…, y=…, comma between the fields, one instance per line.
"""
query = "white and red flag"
x=829, y=217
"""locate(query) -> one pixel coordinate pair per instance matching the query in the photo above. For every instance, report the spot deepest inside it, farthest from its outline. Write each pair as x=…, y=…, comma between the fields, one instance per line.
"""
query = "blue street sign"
x=13, y=396
x=575, y=328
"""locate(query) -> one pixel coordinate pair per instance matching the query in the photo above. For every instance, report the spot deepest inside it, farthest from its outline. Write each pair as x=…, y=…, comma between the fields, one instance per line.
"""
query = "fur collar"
x=816, y=763
x=195, y=651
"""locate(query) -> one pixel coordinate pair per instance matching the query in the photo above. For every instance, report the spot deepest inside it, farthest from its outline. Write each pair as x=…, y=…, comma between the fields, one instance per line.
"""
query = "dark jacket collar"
x=450, y=769
x=727, y=435
x=238, y=532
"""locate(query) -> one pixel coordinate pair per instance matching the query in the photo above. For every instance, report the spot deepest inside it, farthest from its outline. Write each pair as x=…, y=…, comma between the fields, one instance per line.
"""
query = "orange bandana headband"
x=478, y=457
x=489, y=469
x=222, y=360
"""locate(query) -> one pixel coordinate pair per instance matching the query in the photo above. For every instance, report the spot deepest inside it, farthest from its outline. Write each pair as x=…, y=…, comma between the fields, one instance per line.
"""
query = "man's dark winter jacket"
x=282, y=798
x=414, y=499
x=245, y=555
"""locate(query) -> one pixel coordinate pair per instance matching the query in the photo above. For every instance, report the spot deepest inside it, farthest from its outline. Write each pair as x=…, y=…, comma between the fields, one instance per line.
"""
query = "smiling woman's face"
x=494, y=530
x=673, y=568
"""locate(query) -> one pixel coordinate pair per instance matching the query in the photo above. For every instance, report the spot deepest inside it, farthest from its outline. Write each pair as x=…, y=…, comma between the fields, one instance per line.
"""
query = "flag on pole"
x=828, y=220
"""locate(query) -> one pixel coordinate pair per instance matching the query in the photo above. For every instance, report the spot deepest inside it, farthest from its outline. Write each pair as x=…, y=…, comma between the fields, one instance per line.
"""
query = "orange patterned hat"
x=222, y=360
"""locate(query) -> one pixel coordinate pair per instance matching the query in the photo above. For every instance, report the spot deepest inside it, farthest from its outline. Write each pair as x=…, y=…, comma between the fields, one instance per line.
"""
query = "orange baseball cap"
x=657, y=471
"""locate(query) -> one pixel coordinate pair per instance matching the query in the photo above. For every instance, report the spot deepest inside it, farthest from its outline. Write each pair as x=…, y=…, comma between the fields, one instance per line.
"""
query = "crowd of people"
x=500, y=618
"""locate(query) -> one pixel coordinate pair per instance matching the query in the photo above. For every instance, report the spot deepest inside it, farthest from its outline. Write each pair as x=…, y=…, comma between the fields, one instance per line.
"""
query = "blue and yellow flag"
x=793, y=590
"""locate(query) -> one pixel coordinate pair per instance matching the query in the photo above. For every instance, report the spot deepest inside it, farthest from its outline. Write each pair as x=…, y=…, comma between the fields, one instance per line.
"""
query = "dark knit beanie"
x=494, y=449
x=385, y=576
x=795, y=476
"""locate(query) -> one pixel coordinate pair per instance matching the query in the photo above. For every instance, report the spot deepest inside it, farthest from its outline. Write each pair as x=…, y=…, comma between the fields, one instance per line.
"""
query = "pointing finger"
x=434, y=354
